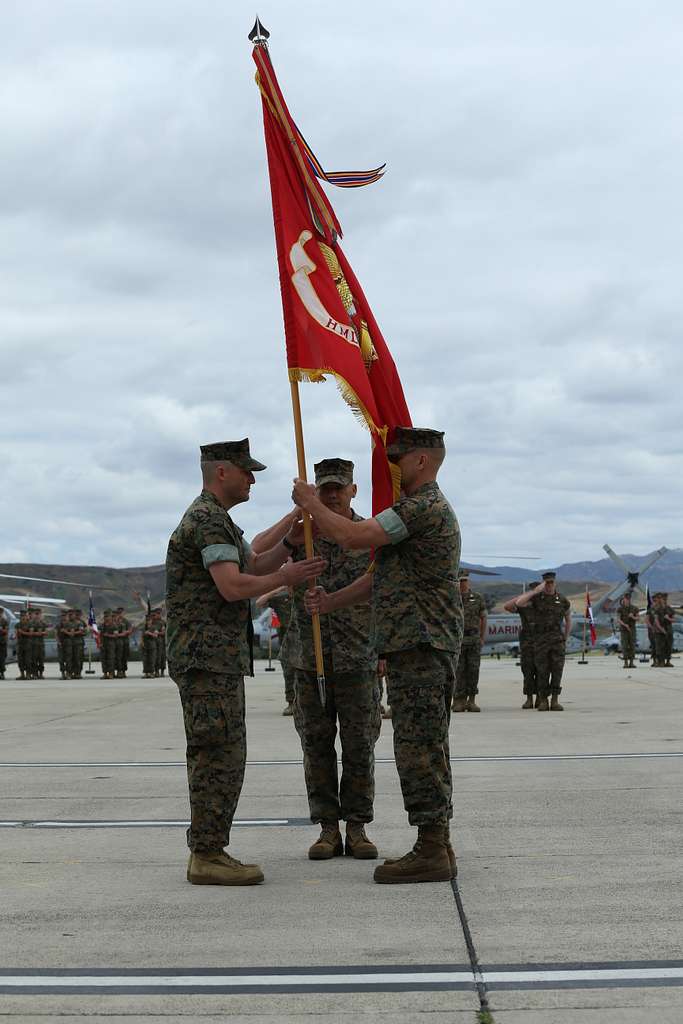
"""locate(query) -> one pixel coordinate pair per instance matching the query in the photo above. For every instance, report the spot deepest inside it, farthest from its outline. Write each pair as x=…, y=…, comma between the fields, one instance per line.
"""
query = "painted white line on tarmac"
x=251, y=981
x=263, y=981
x=622, y=974
x=378, y=760
x=144, y=823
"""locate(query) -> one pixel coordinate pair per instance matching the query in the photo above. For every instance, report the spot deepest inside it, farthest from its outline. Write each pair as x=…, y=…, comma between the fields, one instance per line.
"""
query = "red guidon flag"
x=329, y=326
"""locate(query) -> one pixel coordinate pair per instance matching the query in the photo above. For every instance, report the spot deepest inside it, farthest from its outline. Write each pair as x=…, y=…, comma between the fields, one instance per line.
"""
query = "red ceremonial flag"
x=329, y=326
x=274, y=620
x=591, y=620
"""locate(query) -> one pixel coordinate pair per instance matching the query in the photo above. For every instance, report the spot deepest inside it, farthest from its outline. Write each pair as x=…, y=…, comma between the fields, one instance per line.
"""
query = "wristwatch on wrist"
x=288, y=544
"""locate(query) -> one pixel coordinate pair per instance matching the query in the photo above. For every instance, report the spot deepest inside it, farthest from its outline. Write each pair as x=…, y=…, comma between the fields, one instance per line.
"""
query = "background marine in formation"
x=474, y=632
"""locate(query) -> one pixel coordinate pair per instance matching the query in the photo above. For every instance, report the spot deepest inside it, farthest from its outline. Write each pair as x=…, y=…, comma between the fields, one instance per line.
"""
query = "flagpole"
x=308, y=537
x=585, y=616
x=269, y=667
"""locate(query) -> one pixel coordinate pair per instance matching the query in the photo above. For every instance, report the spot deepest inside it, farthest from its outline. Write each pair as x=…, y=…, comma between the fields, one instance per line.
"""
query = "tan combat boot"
x=529, y=702
x=220, y=868
x=357, y=843
x=328, y=844
x=472, y=705
x=555, y=703
x=542, y=703
x=449, y=850
x=459, y=703
x=428, y=861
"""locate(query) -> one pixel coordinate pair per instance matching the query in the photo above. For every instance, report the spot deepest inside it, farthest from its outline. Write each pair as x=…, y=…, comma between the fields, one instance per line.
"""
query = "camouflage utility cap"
x=549, y=575
x=333, y=471
x=236, y=452
x=407, y=439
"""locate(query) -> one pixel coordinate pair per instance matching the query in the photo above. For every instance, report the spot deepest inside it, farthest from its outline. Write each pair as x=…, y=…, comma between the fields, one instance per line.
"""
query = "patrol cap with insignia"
x=464, y=574
x=549, y=575
x=407, y=439
x=236, y=452
x=333, y=471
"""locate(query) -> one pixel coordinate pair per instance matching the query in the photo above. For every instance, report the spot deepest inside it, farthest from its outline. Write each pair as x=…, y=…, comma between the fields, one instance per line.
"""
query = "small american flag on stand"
x=92, y=621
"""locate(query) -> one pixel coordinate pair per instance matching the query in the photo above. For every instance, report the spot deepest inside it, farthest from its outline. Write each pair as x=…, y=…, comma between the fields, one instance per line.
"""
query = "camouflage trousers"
x=467, y=672
x=420, y=685
x=21, y=654
x=527, y=661
x=120, y=655
x=3, y=655
x=149, y=656
x=107, y=656
x=161, y=654
x=215, y=730
x=663, y=647
x=73, y=655
x=36, y=655
x=290, y=681
x=628, y=645
x=353, y=704
x=549, y=657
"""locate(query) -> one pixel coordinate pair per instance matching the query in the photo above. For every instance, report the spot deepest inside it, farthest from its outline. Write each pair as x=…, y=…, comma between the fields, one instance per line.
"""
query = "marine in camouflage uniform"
x=59, y=637
x=664, y=631
x=474, y=631
x=552, y=618
x=21, y=639
x=36, y=644
x=4, y=634
x=150, y=636
x=352, y=701
x=107, y=642
x=417, y=628
x=123, y=630
x=78, y=645
x=281, y=604
x=29, y=632
x=209, y=634
x=527, y=657
x=628, y=616
x=160, y=668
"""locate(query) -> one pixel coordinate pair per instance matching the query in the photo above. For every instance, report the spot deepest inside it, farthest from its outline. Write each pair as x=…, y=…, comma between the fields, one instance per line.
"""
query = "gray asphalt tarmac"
x=567, y=908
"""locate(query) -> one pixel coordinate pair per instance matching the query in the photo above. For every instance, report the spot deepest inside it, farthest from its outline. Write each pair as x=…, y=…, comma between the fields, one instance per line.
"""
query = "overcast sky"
x=522, y=254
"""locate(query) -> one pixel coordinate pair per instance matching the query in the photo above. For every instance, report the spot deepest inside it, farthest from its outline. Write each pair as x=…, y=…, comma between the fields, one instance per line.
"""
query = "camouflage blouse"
x=628, y=614
x=345, y=633
x=204, y=630
x=549, y=612
x=473, y=606
x=415, y=594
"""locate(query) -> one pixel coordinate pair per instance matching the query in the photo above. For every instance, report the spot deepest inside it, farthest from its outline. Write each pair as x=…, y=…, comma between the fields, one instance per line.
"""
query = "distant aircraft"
x=502, y=630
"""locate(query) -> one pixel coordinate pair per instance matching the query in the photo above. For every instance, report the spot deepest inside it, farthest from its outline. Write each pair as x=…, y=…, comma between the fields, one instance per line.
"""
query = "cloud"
x=521, y=255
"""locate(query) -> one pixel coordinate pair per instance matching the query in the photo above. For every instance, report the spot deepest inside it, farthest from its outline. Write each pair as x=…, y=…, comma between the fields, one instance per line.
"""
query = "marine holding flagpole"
x=211, y=574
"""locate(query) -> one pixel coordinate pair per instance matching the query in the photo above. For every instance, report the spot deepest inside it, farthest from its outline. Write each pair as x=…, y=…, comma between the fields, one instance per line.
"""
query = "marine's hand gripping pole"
x=308, y=537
